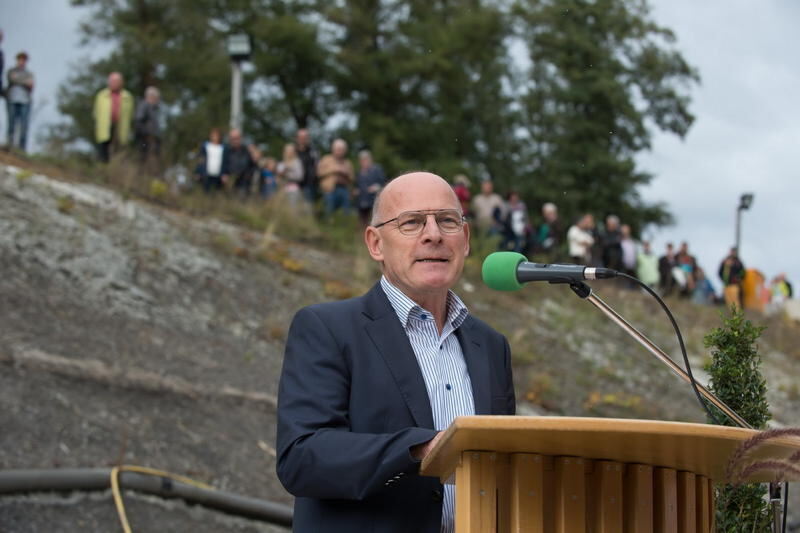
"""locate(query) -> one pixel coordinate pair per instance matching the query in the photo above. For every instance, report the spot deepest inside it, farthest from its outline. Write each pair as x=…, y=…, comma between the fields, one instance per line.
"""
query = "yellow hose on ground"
x=123, y=517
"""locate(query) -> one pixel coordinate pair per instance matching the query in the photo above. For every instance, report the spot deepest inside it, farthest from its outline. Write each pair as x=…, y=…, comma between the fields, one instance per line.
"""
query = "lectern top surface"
x=698, y=448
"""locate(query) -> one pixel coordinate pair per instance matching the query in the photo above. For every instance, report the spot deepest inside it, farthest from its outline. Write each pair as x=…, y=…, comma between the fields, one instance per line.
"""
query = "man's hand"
x=419, y=451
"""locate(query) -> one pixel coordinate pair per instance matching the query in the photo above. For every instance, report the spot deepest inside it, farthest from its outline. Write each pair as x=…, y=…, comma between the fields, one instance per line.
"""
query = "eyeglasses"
x=412, y=222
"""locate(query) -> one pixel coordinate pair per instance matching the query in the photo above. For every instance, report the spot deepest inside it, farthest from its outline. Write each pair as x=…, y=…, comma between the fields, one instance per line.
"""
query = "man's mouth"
x=432, y=260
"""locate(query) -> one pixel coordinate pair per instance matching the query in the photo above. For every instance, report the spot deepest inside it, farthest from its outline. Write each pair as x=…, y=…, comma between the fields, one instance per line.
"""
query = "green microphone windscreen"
x=500, y=270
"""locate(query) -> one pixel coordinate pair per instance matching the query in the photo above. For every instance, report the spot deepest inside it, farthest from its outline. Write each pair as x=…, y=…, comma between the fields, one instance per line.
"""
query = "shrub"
x=736, y=379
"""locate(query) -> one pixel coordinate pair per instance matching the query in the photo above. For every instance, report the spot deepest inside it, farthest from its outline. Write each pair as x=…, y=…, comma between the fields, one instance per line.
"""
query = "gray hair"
x=376, y=207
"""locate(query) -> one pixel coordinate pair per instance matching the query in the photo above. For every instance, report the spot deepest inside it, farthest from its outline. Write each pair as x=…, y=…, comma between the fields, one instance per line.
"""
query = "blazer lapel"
x=477, y=366
x=386, y=332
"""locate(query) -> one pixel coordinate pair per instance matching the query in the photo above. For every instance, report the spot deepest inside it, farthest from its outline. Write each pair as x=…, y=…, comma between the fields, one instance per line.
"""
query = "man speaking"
x=368, y=383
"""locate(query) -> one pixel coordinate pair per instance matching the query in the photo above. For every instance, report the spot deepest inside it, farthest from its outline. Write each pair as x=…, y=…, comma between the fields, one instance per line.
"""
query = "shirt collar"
x=407, y=308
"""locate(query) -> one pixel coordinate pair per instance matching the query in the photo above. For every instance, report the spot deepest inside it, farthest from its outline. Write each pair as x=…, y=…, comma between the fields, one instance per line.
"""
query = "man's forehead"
x=420, y=196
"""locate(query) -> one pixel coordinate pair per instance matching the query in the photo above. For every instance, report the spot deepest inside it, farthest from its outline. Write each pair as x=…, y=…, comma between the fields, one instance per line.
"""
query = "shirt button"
x=447, y=386
x=437, y=496
x=423, y=316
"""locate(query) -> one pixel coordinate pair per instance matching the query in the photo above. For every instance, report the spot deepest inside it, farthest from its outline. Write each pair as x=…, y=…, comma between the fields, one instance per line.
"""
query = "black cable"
x=688, y=366
x=785, y=504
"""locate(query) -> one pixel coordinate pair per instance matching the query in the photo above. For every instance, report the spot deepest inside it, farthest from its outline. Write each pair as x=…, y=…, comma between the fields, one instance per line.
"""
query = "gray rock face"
x=127, y=338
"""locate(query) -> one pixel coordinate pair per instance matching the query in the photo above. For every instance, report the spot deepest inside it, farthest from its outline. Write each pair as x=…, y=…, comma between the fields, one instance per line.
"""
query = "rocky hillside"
x=135, y=333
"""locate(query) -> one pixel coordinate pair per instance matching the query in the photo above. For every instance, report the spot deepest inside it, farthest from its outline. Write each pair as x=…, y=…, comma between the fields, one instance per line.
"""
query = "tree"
x=424, y=82
x=735, y=378
x=171, y=45
x=435, y=84
x=601, y=75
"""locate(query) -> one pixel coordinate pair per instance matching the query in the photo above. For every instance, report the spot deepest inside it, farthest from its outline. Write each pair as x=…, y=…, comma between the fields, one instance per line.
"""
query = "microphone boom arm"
x=585, y=292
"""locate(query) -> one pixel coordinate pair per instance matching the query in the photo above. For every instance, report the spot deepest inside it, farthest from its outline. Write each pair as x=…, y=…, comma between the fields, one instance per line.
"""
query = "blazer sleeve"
x=318, y=454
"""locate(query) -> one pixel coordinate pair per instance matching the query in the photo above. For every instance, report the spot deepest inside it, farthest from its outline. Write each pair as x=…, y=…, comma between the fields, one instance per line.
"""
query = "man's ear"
x=372, y=238
x=466, y=239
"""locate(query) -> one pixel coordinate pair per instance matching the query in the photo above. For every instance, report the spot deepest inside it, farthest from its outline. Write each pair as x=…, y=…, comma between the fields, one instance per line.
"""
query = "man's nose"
x=431, y=229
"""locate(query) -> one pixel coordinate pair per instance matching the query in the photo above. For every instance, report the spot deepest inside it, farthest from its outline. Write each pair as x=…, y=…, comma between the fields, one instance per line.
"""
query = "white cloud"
x=746, y=137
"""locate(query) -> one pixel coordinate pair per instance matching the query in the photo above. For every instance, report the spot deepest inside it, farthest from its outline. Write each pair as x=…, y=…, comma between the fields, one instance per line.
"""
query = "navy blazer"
x=352, y=402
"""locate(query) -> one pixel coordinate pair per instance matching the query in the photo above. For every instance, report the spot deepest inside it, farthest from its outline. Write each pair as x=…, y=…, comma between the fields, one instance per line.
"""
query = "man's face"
x=302, y=138
x=339, y=149
x=22, y=61
x=115, y=82
x=235, y=138
x=487, y=188
x=430, y=262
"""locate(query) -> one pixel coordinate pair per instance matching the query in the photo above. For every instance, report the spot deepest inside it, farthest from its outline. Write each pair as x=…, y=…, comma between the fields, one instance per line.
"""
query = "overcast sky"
x=746, y=137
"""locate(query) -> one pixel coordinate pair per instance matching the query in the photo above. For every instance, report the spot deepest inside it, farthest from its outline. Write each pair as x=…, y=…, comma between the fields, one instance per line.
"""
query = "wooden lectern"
x=576, y=475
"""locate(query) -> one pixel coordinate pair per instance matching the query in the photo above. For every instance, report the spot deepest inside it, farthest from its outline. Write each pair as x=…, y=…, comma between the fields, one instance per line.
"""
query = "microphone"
x=507, y=271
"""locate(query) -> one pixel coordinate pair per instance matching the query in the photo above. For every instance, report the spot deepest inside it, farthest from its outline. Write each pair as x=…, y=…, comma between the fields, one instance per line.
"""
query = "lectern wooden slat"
x=606, y=506
x=576, y=475
x=638, y=497
x=526, y=476
x=687, y=502
x=570, y=495
x=665, y=501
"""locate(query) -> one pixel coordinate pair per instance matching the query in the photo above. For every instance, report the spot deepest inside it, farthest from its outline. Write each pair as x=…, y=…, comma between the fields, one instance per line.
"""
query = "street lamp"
x=239, y=48
x=745, y=201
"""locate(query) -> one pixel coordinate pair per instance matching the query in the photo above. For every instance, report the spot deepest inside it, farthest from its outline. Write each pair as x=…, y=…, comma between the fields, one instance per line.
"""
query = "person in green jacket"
x=647, y=265
x=113, y=110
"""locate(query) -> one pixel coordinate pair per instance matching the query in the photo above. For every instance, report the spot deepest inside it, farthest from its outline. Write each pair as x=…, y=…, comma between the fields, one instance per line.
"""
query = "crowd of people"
x=610, y=245
x=306, y=179
x=301, y=175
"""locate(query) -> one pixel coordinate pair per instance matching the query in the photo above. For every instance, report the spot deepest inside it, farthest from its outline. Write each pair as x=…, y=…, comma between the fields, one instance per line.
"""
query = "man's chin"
x=436, y=281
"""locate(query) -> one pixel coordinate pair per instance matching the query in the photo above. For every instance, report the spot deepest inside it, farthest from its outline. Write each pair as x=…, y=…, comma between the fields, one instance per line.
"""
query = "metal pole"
x=738, y=227
x=664, y=358
x=236, y=95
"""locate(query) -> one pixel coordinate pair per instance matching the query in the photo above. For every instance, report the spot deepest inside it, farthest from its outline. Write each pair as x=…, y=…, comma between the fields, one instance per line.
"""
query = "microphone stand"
x=584, y=291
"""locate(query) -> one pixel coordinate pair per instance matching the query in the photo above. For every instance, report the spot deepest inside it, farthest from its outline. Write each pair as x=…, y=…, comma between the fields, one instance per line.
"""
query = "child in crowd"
x=268, y=184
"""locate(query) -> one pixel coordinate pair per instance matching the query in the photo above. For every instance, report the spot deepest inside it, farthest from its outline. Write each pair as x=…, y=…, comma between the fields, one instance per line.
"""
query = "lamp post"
x=745, y=201
x=239, y=49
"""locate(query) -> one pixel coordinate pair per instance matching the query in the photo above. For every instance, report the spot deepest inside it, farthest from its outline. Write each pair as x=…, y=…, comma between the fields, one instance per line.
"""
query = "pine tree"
x=601, y=72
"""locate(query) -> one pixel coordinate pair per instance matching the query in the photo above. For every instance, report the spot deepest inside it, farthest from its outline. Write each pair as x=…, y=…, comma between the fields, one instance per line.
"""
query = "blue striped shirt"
x=443, y=367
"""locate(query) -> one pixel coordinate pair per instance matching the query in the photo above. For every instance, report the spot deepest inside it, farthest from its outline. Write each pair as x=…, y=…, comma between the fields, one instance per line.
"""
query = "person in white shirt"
x=212, y=156
x=580, y=240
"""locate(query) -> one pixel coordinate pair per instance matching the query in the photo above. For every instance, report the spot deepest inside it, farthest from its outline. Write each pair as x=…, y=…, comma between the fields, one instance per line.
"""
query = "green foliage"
x=735, y=377
x=172, y=45
x=601, y=74
x=735, y=370
x=435, y=84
